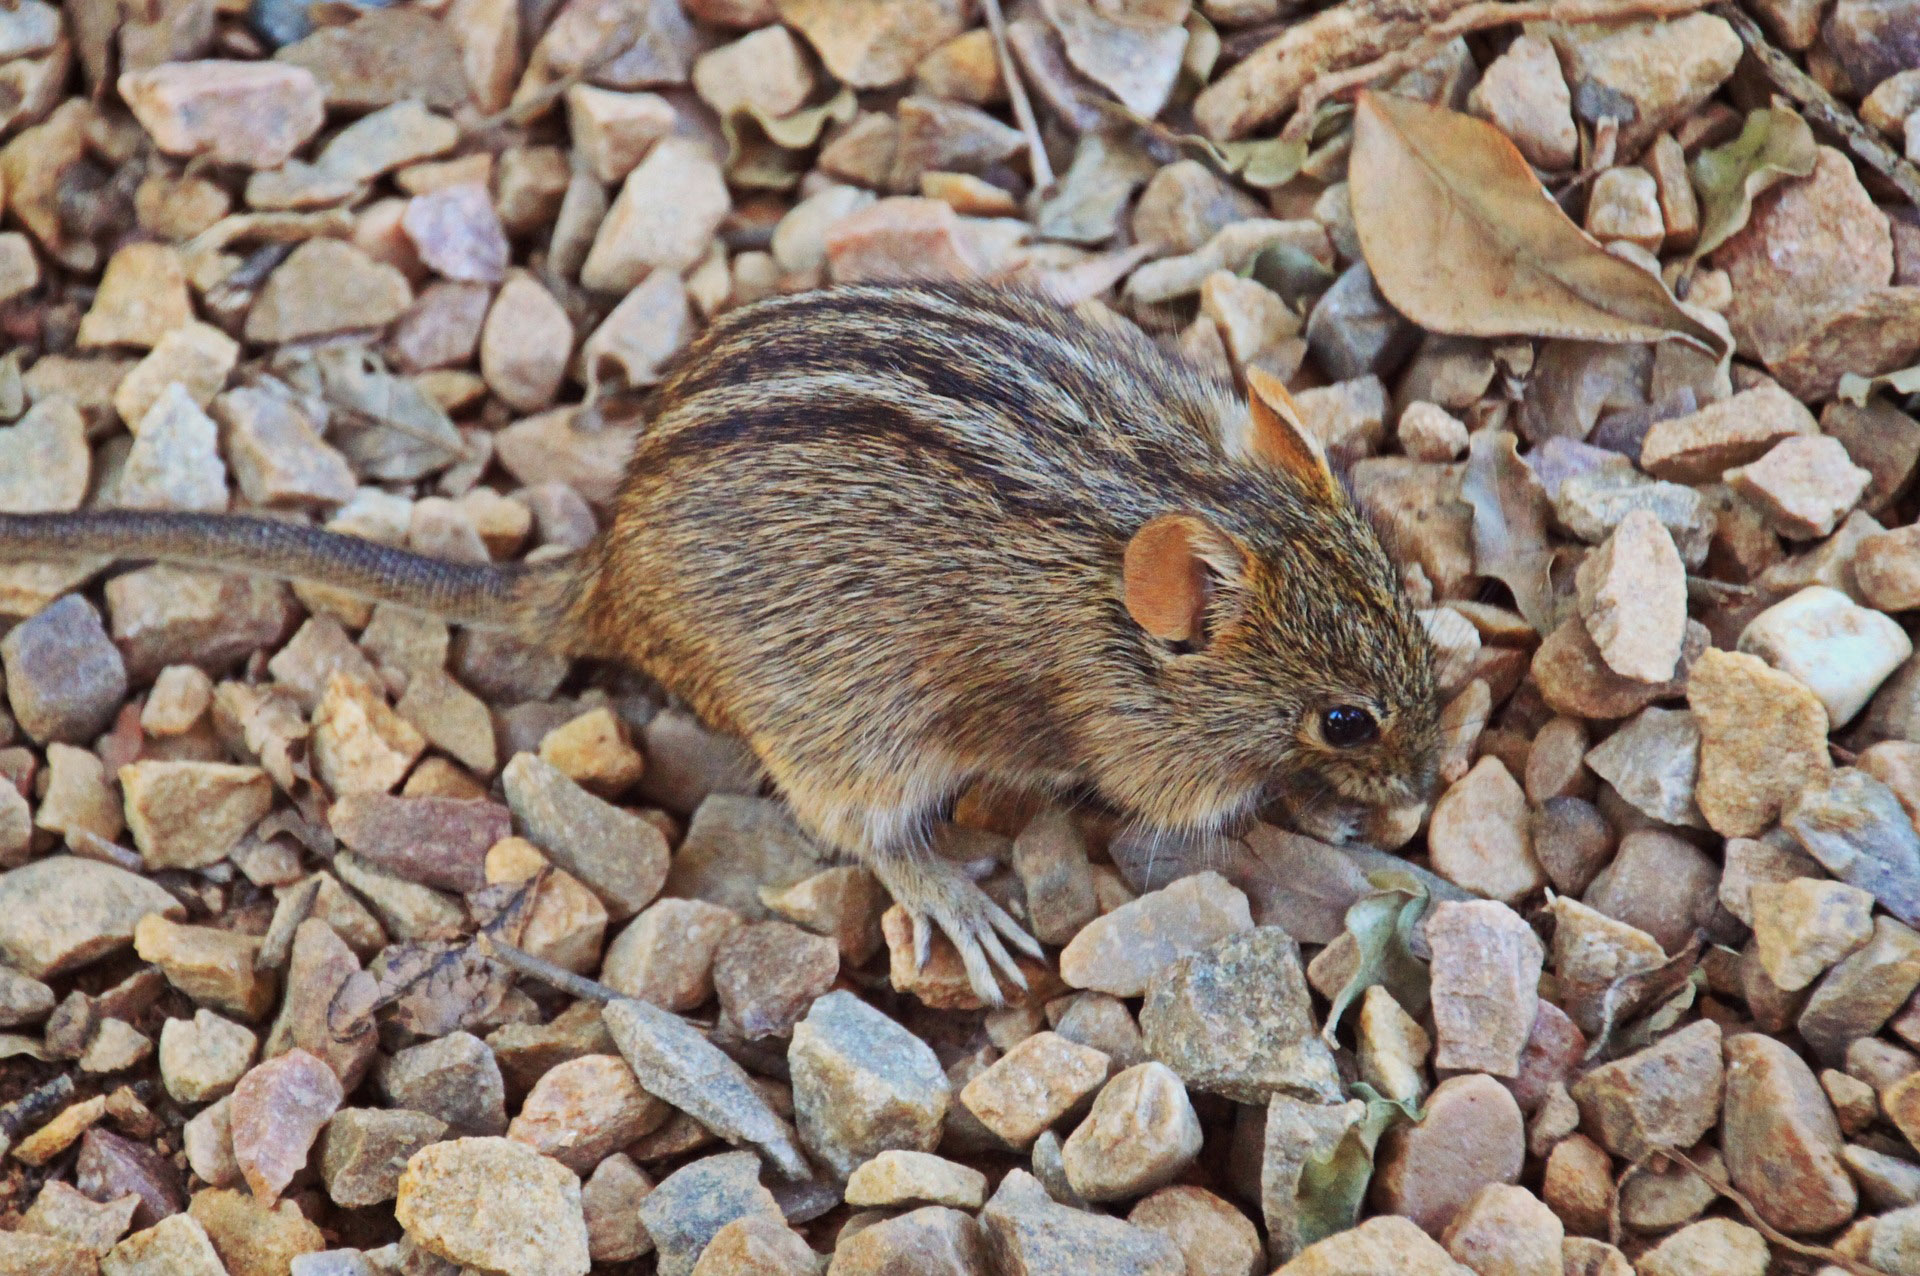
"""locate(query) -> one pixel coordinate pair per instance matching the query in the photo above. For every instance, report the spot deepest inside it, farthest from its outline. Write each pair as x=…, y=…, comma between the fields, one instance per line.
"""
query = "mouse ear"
x=1280, y=437
x=1171, y=569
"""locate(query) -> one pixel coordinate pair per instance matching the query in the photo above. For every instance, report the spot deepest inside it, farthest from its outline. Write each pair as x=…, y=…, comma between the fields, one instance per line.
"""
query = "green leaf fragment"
x=1333, y=1185
x=761, y=148
x=1775, y=144
x=1382, y=926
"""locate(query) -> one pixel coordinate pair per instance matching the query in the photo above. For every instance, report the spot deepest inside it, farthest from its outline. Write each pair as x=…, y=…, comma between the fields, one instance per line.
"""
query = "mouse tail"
x=531, y=601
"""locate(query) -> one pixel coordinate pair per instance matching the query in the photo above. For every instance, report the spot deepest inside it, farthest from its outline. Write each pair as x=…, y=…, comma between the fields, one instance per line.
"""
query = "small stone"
x=766, y=70
x=1141, y=1132
x=1185, y=205
x=451, y=718
x=64, y=678
x=1802, y=486
x=1353, y=331
x=142, y=297
x=1863, y=991
x=190, y=814
x=1665, y=1096
x=1653, y=1201
x=931, y=1241
x=214, y=967
x=872, y=44
x=664, y=217
x=1506, y=1231
x=1780, y=1138
x=203, y=1057
x=196, y=355
x=902, y=239
x=165, y=615
x=1859, y=832
x=1103, y=1022
x=442, y=327
x=594, y=752
x=175, y=1246
x=440, y=842
x=1486, y=965
x=73, y=1122
x=180, y=695
x=1625, y=205
x=769, y=973
x=364, y=1150
x=457, y=233
x=22, y=1000
x=1578, y=1183
x=1478, y=835
x=1033, y=1085
x=1377, y=1245
x=613, y=131
x=494, y=1204
x=174, y=462
x=254, y=114
x=1033, y=1235
x=207, y=1141
x=62, y=912
x=897, y=1177
x=111, y=1167
x=692, y=1205
x=1854, y=1104
x=252, y=1238
x=1236, y=1019
x=843, y=903
x=637, y=338
x=665, y=955
x=279, y=459
x=1843, y=651
x=406, y=909
x=359, y=744
x=1659, y=883
x=62, y=1212
x=620, y=856
x=585, y=1109
x=1120, y=952
x=1633, y=598
x=1393, y=1047
x=1653, y=762
x=566, y=922
x=1701, y=446
x=1525, y=96
x=454, y=1078
x=326, y=286
x=1804, y=926
x=1763, y=738
x=279, y=1108
x=862, y=1084
x=525, y=344
x=1473, y=1135
x=1886, y=568
x=115, y=1047
x=1215, y=1238
x=44, y=462
x=1714, y=1247
x=756, y=1246
x=611, y=1198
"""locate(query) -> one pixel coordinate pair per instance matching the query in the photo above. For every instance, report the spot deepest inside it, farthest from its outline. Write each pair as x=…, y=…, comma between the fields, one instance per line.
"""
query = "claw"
x=922, y=941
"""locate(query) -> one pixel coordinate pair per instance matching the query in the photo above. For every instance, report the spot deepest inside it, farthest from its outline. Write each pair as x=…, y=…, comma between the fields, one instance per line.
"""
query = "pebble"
x=1857, y=829
x=610, y=1199
x=494, y=1204
x=110, y=1167
x=326, y=286
x=1804, y=926
x=63, y=1212
x=455, y=1078
x=1184, y=205
x=768, y=974
x=664, y=217
x=947, y=137
x=1473, y=1135
x=620, y=856
x=1652, y=761
x=142, y=297
x=64, y=677
x=1378, y=1245
x=1139, y=1135
x=691, y=1205
x=451, y=718
x=1578, y=1184
x=1701, y=446
x=190, y=814
x=756, y=1246
x=613, y=131
x=252, y=1238
x=1392, y=1047
x=1763, y=738
x=174, y=462
x=897, y=1177
x=439, y=842
x=175, y=1246
x=22, y=1000
x=1714, y=1247
x=1478, y=835
x=931, y=1241
x=1624, y=205
x=902, y=239
x=1428, y=432
x=457, y=233
x=115, y=1047
x=1663, y=70
x=594, y=751
x=1781, y=1140
x=1660, y=883
x=1664, y=1096
x=665, y=955
x=203, y=1057
x=1120, y=952
x=842, y=903
x=384, y=56
x=863, y=1084
x=214, y=967
x=1802, y=486
x=278, y=457
x=44, y=462
x=1485, y=968
x=165, y=615
x=873, y=44
x=682, y=1067
x=1033, y=1085
x=364, y=1150
x=1236, y=1019
x=1841, y=650
x=1506, y=1231
x=1863, y=990
x=1652, y=1201
x=1886, y=569
x=1633, y=598
x=278, y=1110
x=584, y=1110
x=196, y=355
x=1525, y=96
x=1215, y=1238
x=1032, y=1235
x=255, y=114
x=406, y=910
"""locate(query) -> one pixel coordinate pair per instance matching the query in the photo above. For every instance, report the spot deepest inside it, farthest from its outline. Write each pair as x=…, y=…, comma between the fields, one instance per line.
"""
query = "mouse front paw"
x=935, y=893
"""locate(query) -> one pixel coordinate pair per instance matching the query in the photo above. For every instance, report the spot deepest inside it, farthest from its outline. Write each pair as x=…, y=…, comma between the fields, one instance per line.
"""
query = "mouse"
x=902, y=538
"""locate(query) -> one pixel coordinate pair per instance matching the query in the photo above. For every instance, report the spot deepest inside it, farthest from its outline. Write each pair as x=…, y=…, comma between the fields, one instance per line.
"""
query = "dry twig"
x=1825, y=1253
x=1821, y=106
x=1017, y=96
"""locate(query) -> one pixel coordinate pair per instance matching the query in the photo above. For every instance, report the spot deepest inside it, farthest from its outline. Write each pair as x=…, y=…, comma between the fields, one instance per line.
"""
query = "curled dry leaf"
x=1775, y=144
x=761, y=148
x=1856, y=389
x=1382, y=925
x=1334, y=1184
x=1462, y=239
x=1510, y=524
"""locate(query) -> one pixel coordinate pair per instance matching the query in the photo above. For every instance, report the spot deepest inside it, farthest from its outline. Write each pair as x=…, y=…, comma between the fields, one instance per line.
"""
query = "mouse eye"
x=1347, y=726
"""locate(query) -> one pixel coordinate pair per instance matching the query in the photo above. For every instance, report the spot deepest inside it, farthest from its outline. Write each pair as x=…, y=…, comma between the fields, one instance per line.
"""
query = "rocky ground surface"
x=1638, y=995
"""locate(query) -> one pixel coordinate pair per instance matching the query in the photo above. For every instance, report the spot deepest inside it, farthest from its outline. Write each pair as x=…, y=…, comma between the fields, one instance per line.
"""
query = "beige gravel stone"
x=190, y=814
x=1472, y=1136
x=1033, y=1085
x=250, y=113
x=1479, y=838
x=1804, y=926
x=1763, y=737
x=495, y=1204
x=897, y=1177
x=1701, y=446
x=1633, y=597
x=1118, y=953
x=1781, y=1140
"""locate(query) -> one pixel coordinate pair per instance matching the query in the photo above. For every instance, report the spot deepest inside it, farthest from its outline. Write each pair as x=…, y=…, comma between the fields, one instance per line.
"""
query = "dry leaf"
x=1873, y=333
x=1775, y=144
x=1510, y=511
x=1462, y=239
x=761, y=148
x=1856, y=389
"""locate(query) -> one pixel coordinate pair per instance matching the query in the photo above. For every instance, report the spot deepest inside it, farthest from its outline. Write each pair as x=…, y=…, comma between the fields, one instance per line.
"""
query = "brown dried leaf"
x=1510, y=511
x=1462, y=239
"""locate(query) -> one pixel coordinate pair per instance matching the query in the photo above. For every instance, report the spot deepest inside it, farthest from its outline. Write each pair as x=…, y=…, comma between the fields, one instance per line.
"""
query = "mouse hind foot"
x=936, y=892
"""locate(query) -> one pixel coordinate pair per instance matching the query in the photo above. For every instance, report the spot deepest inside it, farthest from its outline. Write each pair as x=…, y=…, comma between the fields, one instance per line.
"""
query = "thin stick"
x=1774, y=1235
x=1821, y=106
x=1475, y=17
x=525, y=963
x=1017, y=95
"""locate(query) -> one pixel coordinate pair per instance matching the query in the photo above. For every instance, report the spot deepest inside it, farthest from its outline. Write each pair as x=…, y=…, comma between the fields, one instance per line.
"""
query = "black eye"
x=1347, y=726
